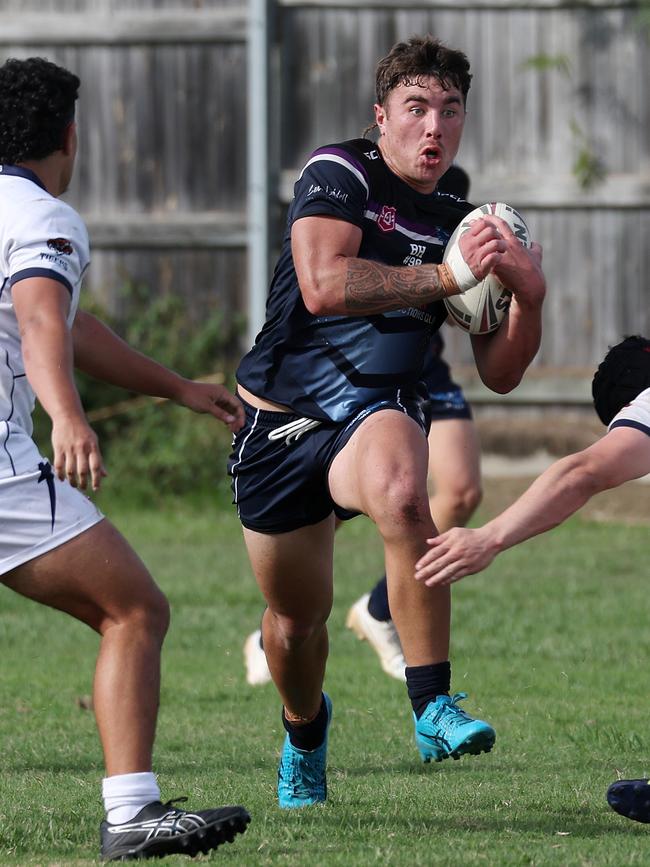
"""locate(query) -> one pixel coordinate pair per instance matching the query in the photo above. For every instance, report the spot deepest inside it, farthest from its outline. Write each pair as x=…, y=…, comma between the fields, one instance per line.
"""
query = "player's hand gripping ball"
x=482, y=308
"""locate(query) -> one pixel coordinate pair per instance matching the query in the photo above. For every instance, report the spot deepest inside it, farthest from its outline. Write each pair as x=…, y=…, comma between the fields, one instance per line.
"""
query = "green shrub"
x=154, y=448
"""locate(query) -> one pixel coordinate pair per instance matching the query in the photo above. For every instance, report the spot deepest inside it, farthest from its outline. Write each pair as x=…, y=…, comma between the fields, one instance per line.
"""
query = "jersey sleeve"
x=51, y=241
x=334, y=183
x=635, y=414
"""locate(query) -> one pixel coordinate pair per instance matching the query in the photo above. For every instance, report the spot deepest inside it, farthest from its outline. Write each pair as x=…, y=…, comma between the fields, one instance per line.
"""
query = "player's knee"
x=160, y=614
x=473, y=498
x=462, y=504
x=399, y=506
x=294, y=633
x=147, y=615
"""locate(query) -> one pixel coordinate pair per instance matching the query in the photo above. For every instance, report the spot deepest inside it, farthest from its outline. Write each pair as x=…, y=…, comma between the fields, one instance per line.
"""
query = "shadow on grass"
x=550, y=824
x=416, y=767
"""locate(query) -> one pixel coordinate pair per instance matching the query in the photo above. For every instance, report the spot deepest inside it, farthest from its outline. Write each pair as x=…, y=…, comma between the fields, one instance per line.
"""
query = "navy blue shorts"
x=449, y=404
x=281, y=485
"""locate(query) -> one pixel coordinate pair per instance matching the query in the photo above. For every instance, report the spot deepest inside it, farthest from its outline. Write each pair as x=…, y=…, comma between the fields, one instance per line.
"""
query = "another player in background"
x=335, y=419
x=455, y=476
x=621, y=391
x=55, y=546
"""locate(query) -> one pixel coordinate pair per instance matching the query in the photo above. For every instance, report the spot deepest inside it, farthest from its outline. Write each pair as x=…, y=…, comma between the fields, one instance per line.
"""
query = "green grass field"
x=552, y=645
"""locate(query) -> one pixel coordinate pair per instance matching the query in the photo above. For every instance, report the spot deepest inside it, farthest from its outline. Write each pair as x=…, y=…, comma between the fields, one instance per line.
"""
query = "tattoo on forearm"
x=371, y=287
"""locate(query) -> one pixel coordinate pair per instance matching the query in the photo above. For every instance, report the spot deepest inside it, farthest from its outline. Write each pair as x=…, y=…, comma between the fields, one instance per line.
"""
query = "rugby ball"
x=482, y=308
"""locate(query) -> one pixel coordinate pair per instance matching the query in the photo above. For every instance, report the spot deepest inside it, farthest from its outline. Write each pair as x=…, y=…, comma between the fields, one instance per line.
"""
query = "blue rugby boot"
x=445, y=730
x=302, y=773
x=630, y=798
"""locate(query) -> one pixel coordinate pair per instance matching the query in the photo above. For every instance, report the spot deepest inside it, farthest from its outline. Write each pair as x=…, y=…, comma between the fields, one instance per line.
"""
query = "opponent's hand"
x=76, y=453
x=454, y=554
x=207, y=397
x=519, y=268
x=483, y=246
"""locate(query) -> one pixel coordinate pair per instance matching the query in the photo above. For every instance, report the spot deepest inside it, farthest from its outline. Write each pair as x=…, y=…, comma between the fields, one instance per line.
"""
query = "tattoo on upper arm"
x=371, y=287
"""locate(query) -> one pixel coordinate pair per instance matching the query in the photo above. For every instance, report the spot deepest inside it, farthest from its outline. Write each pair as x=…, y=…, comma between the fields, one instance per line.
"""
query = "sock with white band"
x=126, y=794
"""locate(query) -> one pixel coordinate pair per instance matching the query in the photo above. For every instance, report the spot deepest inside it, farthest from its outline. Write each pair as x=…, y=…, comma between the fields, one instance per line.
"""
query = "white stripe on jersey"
x=371, y=215
x=414, y=236
x=333, y=158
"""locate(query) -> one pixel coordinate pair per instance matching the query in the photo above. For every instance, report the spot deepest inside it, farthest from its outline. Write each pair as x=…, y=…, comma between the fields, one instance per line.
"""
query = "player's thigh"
x=454, y=455
x=294, y=570
x=96, y=576
x=384, y=462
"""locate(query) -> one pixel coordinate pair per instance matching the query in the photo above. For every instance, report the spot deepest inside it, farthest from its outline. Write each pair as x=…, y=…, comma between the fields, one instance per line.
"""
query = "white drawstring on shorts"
x=293, y=430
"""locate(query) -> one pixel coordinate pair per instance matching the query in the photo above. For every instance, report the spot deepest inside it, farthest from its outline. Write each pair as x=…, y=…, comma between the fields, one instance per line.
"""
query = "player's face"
x=421, y=126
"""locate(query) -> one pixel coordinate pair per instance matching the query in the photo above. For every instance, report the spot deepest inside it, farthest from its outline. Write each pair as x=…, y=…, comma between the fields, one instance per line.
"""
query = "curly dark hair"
x=408, y=62
x=622, y=375
x=37, y=101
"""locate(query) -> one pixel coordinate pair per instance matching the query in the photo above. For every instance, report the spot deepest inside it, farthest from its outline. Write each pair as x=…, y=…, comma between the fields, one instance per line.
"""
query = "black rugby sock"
x=378, y=606
x=311, y=735
x=426, y=682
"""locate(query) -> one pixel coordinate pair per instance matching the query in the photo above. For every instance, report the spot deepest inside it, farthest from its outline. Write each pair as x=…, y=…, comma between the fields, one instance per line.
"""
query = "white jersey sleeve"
x=49, y=241
x=636, y=414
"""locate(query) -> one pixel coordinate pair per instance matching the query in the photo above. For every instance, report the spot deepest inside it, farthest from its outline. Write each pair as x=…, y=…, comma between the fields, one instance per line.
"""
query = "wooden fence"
x=559, y=88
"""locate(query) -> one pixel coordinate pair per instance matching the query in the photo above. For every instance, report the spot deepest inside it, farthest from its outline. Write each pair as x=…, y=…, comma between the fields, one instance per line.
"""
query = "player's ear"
x=380, y=117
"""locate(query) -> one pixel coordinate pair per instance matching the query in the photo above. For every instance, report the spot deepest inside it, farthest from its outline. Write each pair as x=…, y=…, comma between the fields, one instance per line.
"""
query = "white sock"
x=126, y=794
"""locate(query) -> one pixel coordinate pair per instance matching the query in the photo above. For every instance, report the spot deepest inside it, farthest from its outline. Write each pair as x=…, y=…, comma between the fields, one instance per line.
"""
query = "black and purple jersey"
x=327, y=367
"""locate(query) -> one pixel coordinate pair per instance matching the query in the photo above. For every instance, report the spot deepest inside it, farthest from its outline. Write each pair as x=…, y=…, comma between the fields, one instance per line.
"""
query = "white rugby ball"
x=482, y=308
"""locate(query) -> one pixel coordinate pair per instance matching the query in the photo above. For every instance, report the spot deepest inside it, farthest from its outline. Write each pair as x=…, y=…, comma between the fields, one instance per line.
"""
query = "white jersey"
x=636, y=414
x=40, y=236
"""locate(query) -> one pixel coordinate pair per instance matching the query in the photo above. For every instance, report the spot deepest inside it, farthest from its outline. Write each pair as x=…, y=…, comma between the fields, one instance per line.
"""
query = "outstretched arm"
x=41, y=306
x=621, y=455
x=99, y=352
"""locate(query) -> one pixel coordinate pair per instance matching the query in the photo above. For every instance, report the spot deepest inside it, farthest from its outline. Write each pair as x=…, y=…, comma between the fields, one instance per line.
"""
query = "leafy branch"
x=588, y=167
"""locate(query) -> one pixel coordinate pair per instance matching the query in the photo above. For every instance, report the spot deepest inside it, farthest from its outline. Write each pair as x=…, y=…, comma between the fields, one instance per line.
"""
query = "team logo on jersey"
x=386, y=220
x=60, y=245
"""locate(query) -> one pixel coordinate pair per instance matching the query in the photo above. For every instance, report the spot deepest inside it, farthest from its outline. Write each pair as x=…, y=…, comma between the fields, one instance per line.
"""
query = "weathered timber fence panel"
x=162, y=168
x=161, y=172
x=553, y=83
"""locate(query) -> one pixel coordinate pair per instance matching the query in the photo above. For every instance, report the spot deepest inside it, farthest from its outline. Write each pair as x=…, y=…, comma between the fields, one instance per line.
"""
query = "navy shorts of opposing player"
x=279, y=466
x=446, y=398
